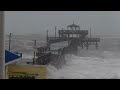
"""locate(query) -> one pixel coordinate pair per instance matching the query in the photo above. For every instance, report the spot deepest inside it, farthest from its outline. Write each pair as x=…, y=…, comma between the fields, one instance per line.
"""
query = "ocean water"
x=103, y=63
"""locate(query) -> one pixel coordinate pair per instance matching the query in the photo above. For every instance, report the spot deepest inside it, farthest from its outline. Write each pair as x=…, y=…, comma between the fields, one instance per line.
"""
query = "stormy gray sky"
x=102, y=23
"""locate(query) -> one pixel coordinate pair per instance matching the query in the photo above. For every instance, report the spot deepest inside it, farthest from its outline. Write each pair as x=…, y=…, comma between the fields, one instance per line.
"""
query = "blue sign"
x=10, y=56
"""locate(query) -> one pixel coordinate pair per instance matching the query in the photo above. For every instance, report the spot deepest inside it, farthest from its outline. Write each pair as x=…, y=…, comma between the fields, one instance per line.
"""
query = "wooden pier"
x=75, y=38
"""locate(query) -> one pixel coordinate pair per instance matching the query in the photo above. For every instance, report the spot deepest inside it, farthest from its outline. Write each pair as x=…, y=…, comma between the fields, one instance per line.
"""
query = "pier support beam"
x=87, y=45
x=96, y=45
x=82, y=45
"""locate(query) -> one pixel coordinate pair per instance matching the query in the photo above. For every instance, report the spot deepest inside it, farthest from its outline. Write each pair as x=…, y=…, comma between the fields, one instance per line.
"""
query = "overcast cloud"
x=37, y=22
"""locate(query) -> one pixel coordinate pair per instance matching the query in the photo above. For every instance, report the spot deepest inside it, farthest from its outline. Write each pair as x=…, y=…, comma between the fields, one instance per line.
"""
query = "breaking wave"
x=86, y=68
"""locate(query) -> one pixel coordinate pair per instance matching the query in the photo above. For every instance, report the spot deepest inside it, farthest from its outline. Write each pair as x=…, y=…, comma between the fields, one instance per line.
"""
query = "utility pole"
x=47, y=38
x=34, y=51
x=2, y=50
x=10, y=41
x=55, y=30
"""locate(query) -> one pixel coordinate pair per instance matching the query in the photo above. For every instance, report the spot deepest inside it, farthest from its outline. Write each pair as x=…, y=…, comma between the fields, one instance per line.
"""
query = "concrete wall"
x=2, y=52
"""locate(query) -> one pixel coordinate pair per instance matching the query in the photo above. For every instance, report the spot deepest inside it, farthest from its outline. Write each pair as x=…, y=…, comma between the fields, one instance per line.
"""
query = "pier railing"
x=72, y=31
x=60, y=39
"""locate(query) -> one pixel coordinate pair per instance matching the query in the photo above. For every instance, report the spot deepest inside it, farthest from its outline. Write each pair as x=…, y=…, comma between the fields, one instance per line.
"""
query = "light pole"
x=2, y=51
x=10, y=41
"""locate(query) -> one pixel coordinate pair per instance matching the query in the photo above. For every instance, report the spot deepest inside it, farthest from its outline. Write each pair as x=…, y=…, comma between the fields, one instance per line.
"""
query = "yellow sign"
x=26, y=72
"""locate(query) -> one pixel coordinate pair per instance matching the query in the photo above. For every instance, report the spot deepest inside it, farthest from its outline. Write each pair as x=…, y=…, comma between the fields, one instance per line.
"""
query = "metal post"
x=2, y=51
x=10, y=41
